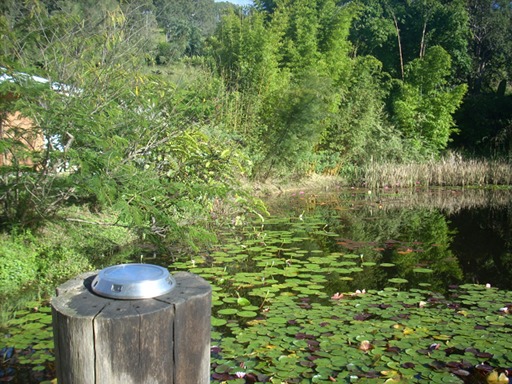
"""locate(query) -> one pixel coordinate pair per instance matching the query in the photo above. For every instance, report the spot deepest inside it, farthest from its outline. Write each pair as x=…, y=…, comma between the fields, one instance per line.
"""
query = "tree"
x=293, y=59
x=246, y=54
x=358, y=132
x=186, y=25
x=64, y=43
x=424, y=103
x=397, y=32
x=118, y=139
x=293, y=127
x=491, y=43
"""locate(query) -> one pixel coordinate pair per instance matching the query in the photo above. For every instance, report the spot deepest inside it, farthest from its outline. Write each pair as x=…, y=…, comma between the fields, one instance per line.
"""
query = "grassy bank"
x=451, y=170
x=37, y=260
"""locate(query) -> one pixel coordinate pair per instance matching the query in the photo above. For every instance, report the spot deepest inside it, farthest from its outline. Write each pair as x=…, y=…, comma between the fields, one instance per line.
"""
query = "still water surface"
x=463, y=236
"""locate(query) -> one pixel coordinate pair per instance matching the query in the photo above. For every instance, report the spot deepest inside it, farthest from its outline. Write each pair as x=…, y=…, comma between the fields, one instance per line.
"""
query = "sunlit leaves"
x=424, y=108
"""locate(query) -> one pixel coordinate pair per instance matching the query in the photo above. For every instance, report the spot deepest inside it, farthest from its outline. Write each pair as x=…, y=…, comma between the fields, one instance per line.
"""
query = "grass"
x=451, y=170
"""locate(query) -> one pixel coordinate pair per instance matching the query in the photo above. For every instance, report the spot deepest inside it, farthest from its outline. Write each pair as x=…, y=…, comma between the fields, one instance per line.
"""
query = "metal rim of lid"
x=133, y=281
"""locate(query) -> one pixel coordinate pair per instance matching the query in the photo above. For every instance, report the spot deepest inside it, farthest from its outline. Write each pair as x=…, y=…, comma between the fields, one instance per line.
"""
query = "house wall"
x=17, y=127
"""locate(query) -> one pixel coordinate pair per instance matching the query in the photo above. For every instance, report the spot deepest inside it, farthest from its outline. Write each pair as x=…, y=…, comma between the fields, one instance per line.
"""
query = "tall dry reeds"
x=451, y=170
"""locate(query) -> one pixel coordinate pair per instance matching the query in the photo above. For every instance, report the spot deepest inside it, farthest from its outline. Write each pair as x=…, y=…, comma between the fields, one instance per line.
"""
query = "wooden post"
x=163, y=340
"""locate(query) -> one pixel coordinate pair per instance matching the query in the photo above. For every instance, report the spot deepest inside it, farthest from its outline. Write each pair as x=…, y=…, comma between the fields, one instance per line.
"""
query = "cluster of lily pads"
x=27, y=355
x=411, y=336
x=285, y=311
x=296, y=302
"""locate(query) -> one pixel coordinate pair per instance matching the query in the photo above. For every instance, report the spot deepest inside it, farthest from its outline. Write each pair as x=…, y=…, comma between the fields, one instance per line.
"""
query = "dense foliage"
x=155, y=110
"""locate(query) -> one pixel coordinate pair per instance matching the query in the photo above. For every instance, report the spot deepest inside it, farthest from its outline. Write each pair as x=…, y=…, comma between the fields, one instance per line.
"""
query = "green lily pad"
x=246, y=314
x=398, y=280
x=216, y=322
x=227, y=311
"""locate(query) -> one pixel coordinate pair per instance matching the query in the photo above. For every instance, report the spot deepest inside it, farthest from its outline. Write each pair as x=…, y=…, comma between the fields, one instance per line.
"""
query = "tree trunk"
x=395, y=21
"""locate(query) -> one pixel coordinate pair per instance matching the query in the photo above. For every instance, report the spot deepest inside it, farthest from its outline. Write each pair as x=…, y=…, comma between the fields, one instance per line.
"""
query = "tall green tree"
x=486, y=115
x=358, y=132
x=397, y=32
x=490, y=44
x=309, y=63
x=186, y=25
x=64, y=42
x=424, y=103
x=246, y=53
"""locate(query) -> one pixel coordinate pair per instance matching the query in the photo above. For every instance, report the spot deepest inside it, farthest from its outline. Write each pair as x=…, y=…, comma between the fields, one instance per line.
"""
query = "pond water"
x=345, y=286
x=438, y=237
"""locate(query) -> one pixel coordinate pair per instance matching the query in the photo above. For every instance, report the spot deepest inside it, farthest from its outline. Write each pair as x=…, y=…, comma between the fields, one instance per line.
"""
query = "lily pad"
x=246, y=314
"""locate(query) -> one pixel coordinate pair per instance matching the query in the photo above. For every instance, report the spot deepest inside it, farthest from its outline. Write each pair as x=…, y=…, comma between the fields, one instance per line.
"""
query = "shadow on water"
x=483, y=244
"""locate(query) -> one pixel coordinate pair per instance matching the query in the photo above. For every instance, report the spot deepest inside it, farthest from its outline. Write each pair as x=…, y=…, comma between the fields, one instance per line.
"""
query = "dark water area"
x=482, y=242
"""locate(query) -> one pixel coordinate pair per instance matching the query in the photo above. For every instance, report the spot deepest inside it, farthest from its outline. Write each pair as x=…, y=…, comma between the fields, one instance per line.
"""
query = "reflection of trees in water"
x=409, y=239
x=455, y=232
x=448, y=200
x=484, y=244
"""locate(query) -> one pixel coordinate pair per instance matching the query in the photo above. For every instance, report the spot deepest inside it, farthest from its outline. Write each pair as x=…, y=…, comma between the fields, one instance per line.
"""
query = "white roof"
x=59, y=87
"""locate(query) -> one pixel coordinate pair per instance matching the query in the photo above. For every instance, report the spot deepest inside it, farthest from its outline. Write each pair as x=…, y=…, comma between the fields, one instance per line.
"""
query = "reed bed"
x=449, y=200
x=451, y=170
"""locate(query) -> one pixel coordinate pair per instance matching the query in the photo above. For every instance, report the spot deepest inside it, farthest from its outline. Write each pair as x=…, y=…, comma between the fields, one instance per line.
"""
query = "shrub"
x=18, y=262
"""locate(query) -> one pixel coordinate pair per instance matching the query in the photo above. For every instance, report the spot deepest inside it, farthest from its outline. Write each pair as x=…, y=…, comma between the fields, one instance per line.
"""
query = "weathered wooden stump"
x=164, y=340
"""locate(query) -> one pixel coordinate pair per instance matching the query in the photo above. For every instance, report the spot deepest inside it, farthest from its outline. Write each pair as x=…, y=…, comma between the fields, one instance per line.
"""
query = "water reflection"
x=483, y=244
x=431, y=238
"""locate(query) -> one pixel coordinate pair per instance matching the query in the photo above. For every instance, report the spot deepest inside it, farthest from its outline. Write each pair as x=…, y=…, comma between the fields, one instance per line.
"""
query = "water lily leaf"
x=368, y=264
x=227, y=311
x=229, y=300
x=398, y=280
x=216, y=322
x=243, y=302
x=33, y=326
x=442, y=337
x=277, y=320
x=247, y=314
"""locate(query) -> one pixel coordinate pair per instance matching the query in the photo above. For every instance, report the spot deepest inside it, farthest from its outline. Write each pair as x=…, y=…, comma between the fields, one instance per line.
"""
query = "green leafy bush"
x=17, y=262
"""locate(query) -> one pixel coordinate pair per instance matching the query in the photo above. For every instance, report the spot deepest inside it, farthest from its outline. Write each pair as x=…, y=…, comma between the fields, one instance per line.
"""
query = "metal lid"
x=133, y=281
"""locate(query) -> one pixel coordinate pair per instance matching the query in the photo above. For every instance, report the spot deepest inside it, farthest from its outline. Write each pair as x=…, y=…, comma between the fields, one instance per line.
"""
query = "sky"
x=239, y=2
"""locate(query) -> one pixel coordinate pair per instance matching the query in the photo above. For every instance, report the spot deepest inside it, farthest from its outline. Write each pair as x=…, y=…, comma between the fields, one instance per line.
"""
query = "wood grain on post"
x=163, y=340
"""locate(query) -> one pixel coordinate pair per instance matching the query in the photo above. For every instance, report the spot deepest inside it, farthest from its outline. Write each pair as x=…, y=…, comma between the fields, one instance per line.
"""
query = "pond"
x=453, y=236
x=345, y=286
